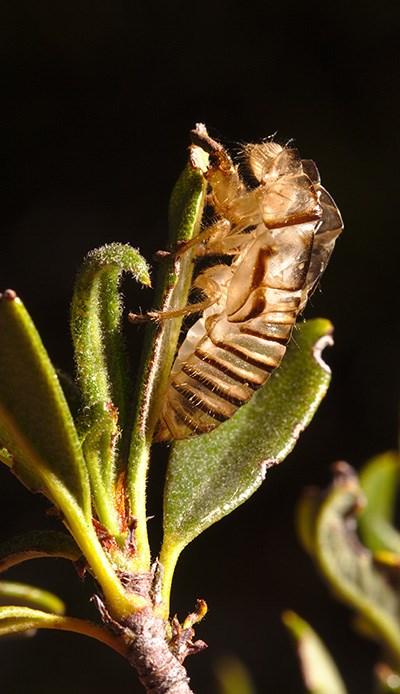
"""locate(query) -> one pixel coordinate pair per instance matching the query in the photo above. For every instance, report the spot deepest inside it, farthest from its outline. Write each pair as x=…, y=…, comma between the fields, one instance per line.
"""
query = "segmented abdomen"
x=228, y=355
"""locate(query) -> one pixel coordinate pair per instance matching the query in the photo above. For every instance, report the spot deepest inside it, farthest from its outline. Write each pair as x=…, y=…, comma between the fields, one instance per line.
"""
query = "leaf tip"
x=198, y=159
x=344, y=473
x=326, y=340
x=8, y=295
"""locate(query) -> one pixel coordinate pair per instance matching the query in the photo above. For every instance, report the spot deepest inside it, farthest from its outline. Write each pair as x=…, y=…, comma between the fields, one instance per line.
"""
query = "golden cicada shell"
x=279, y=235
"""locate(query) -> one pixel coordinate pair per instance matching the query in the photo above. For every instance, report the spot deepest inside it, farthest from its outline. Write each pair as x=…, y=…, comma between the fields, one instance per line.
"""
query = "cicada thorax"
x=237, y=343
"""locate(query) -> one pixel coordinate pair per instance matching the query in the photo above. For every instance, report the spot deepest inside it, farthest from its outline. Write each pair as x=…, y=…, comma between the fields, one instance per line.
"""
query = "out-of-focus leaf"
x=233, y=677
x=306, y=514
x=33, y=545
x=14, y=620
x=30, y=596
x=349, y=568
x=319, y=670
x=210, y=475
x=172, y=288
x=35, y=414
x=379, y=480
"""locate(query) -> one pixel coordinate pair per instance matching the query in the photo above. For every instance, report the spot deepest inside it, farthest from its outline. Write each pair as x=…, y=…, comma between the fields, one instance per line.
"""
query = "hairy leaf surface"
x=210, y=475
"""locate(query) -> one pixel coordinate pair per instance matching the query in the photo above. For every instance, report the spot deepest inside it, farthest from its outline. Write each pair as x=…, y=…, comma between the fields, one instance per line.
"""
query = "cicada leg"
x=209, y=242
x=208, y=286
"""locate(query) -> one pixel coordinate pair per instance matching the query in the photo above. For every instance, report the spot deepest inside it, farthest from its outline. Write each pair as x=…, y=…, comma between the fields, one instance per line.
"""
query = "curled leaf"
x=101, y=363
x=96, y=323
x=349, y=568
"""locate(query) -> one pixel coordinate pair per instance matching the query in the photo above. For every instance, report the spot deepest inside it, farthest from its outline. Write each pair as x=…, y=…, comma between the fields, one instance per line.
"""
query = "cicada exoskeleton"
x=279, y=235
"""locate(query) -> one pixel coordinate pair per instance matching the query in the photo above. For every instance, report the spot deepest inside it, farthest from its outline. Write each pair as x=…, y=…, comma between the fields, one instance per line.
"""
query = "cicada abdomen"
x=280, y=235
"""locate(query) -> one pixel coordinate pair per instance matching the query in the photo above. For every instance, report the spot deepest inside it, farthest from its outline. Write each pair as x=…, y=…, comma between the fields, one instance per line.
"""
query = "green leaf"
x=11, y=455
x=34, y=413
x=71, y=392
x=172, y=288
x=306, y=514
x=33, y=545
x=99, y=448
x=379, y=481
x=233, y=677
x=210, y=475
x=36, y=419
x=101, y=362
x=30, y=596
x=96, y=323
x=349, y=568
x=319, y=670
x=14, y=620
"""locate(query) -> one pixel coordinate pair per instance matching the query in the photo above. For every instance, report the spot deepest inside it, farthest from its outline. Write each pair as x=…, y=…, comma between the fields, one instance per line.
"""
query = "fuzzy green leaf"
x=34, y=414
x=36, y=418
x=99, y=431
x=173, y=284
x=29, y=596
x=33, y=545
x=379, y=480
x=12, y=456
x=71, y=392
x=101, y=362
x=350, y=569
x=320, y=673
x=16, y=619
x=96, y=323
x=210, y=475
x=172, y=288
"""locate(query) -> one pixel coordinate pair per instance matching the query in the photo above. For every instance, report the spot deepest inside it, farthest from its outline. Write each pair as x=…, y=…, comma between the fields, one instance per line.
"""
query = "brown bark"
x=159, y=670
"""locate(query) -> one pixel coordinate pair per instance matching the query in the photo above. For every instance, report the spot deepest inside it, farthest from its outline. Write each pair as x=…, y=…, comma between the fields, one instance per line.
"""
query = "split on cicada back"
x=280, y=235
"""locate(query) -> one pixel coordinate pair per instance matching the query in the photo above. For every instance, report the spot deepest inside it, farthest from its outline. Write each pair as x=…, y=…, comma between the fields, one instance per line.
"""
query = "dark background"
x=97, y=100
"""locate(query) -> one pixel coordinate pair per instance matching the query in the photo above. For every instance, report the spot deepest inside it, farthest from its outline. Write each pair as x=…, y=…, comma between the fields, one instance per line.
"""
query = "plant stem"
x=140, y=454
x=119, y=602
x=159, y=670
x=168, y=558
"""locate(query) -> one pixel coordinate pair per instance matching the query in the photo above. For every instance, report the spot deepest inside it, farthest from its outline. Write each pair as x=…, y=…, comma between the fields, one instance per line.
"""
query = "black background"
x=98, y=97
